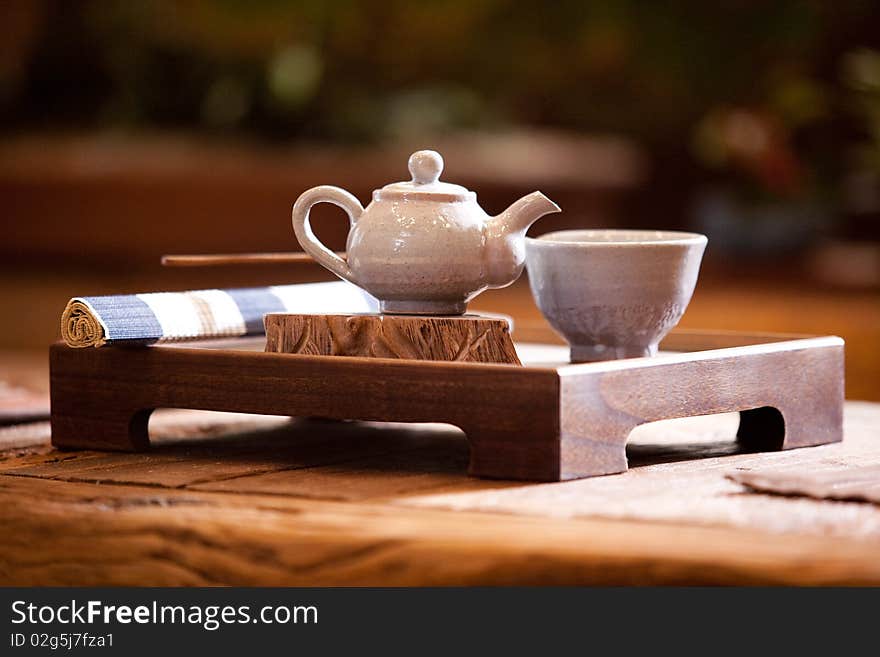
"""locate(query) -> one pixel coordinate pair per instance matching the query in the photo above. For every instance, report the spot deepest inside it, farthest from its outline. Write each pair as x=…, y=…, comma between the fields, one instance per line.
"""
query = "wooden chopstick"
x=221, y=259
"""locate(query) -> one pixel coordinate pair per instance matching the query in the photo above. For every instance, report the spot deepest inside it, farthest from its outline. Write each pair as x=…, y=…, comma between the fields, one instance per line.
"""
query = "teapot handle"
x=307, y=239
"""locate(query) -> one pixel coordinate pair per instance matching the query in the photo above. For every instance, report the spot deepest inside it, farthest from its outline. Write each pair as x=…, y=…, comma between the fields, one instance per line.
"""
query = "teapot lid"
x=425, y=168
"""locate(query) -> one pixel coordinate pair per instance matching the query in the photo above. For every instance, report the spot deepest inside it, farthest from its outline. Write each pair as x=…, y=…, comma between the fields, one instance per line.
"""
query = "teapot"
x=423, y=247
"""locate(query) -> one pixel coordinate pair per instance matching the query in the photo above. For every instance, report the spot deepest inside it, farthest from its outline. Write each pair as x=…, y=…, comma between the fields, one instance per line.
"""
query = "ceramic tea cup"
x=613, y=293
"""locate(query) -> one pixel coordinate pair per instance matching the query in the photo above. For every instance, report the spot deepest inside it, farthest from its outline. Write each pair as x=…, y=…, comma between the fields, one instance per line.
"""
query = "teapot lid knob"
x=425, y=167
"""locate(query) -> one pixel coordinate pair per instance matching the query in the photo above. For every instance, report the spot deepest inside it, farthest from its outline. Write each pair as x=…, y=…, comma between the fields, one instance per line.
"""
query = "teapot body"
x=418, y=257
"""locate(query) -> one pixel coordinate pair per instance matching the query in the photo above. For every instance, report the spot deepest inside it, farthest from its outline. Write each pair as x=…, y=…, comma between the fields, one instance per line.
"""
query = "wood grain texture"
x=544, y=423
x=128, y=535
x=466, y=339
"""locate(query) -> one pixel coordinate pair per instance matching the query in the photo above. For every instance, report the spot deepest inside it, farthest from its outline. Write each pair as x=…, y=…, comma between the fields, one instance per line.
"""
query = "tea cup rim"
x=618, y=237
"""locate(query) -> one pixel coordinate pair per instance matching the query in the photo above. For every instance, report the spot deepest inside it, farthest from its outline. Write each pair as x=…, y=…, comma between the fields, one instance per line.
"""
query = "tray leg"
x=591, y=449
x=114, y=429
x=530, y=456
x=90, y=409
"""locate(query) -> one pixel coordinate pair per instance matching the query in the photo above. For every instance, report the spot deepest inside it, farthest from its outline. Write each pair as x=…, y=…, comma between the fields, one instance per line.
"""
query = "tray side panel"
x=102, y=398
x=801, y=379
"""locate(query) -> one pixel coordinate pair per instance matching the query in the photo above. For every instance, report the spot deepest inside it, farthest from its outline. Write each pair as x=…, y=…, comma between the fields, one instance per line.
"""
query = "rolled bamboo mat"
x=199, y=314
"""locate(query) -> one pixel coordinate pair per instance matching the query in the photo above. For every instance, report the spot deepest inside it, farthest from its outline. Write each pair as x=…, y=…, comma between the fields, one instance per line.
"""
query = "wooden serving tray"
x=545, y=420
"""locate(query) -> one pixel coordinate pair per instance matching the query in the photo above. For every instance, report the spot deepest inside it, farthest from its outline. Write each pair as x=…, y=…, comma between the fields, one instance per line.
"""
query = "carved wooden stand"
x=545, y=423
x=465, y=339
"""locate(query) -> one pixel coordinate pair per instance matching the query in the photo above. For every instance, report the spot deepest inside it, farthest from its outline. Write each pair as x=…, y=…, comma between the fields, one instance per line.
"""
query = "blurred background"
x=130, y=129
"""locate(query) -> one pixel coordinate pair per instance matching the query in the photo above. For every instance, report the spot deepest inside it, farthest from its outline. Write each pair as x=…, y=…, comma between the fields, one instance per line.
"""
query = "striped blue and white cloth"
x=199, y=314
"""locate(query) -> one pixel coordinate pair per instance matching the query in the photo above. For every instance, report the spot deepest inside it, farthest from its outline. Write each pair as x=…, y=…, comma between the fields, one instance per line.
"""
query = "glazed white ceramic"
x=423, y=247
x=613, y=293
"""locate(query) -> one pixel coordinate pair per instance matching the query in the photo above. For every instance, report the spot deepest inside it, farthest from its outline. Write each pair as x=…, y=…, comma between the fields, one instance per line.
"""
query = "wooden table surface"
x=255, y=500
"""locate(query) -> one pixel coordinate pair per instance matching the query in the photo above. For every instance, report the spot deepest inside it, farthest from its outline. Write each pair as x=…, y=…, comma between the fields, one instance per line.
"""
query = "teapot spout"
x=505, y=251
x=526, y=211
